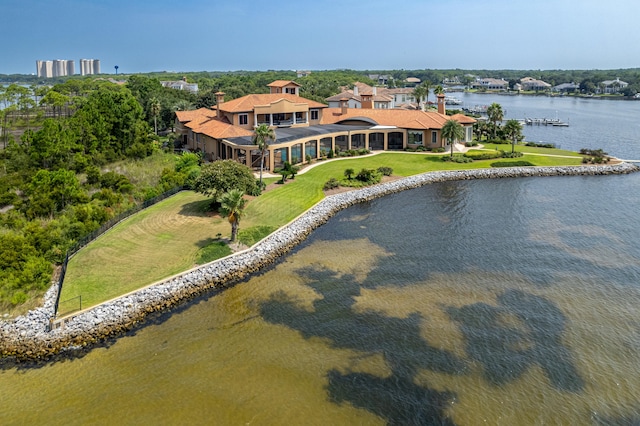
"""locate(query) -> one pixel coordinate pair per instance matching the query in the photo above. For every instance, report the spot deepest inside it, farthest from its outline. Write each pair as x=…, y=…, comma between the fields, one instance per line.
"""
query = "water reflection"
x=396, y=397
x=523, y=330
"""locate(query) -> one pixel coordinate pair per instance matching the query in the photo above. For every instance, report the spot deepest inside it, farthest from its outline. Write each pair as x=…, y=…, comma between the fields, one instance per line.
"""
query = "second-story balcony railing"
x=283, y=123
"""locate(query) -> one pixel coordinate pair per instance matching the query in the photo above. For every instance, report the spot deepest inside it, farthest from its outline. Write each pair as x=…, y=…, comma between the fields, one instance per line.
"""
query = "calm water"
x=512, y=301
x=593, y=123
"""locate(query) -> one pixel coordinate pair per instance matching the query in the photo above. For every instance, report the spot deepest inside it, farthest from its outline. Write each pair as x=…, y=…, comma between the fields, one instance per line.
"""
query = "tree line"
x=57, y=182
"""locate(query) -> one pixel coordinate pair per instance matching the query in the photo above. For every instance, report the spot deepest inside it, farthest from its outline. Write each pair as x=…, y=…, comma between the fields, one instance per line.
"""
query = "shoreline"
x=38, y=337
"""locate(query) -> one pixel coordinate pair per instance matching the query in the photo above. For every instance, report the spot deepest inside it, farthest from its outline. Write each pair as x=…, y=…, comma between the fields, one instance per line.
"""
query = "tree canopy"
x=222, y=176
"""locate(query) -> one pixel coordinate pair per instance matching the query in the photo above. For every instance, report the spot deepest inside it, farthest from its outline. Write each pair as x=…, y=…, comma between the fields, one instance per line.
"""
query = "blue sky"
x=214, y=35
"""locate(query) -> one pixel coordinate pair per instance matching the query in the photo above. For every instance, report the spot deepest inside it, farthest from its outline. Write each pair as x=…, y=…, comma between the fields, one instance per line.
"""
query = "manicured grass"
x=532, y=150
x=168, y=237
x=214, y=249
x=158, y=242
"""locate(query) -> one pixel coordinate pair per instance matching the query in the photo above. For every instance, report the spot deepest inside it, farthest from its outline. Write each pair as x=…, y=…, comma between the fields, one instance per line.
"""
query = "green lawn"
x=170, y=236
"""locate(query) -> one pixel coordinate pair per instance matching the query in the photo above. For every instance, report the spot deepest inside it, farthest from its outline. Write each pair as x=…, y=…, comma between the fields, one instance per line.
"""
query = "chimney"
x=367, y=102
x=375, y=91
x=355, y=90
x=344, y=104
x=441, y=105
x=219, y=100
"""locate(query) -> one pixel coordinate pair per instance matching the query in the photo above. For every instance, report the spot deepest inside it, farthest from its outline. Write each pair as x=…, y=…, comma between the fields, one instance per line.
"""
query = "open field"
x=164, y=239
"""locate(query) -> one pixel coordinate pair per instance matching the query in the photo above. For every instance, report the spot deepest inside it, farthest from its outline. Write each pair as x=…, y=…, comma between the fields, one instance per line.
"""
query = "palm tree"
x=419, y=92
x=513, y=130
x=232, y=206
x=438, y=90
x=427, y=86
x=154, y=108
x=452, y=131
x=261, y=134
x=183, y=105
x=494, y=111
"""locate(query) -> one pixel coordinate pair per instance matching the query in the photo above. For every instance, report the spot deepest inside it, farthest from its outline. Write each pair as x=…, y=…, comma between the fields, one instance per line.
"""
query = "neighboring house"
x=307, y=128
x=412, y=81
x=382, y=97
x=360, y=95
x=181, y=85
x=285, y=86
x=455, y=81
x=381, y=79
x=490, y=84
x=611, y=86
x=303, y=73
x=566, y=88
x=532, y=84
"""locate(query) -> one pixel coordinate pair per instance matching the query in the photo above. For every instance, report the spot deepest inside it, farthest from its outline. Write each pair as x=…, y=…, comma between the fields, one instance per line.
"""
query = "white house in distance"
x=181, y=85
x=497, y=84
x=532, y=84
x=612, y=86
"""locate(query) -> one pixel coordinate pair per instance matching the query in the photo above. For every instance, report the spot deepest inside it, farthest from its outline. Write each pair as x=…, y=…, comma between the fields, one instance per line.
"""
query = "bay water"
x=503, y=302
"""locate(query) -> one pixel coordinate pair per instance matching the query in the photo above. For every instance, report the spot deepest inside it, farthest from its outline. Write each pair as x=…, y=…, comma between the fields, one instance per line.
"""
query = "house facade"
x=497, y=84
x=181, y=85
x=532, y=84
x=306, y=129
x=382, y=97
x=611, y=86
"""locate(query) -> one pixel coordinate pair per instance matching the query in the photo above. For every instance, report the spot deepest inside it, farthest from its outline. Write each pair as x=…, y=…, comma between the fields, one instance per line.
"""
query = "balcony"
x=280, y=120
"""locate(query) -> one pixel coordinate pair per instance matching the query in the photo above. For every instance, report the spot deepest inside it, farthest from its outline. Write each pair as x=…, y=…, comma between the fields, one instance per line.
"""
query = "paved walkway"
x=458, y=148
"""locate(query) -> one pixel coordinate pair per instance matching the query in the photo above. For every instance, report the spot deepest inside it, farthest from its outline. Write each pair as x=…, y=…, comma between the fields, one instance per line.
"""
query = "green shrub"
x=512, y=154
x=511, y=164
x=439, y=149
x=386, y=171
x=369, y=176
x=540, y=145
x=484, y=155
x=457, y=159
x=331, y=184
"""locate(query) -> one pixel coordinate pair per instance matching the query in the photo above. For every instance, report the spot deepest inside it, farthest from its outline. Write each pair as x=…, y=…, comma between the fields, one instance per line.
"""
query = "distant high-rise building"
x=44, y=68
x=64, y=67
x=89, y=66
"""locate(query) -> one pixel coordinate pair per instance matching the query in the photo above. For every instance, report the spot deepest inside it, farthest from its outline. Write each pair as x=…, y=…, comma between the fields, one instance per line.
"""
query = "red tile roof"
x=402, y=118
x=249, y=102
x=282, y=83
x=195, y=115
x=218, y=129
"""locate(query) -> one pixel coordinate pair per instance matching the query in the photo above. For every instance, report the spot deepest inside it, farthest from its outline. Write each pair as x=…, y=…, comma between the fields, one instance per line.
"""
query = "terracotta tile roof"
x=343, y=95
x=282, y=83
x=195, y=115
x=464, y=119
x=248, y=102
x=401, y=118
x=218, y=129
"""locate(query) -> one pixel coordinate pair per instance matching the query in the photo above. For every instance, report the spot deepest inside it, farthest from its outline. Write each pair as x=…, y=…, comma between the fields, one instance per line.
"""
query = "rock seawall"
x=31, y=337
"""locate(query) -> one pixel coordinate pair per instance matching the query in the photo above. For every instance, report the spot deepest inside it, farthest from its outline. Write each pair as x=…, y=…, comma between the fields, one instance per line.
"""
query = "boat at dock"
x=545, y=122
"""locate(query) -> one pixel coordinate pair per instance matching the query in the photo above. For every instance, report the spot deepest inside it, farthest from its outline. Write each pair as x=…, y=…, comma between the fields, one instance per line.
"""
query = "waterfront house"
x=566, y=88
x=307, y=129
x=496, y=84
x=611, y=86
x=535, y=85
